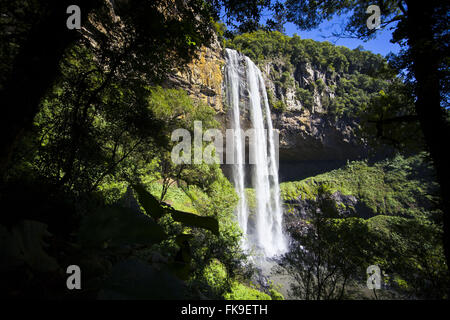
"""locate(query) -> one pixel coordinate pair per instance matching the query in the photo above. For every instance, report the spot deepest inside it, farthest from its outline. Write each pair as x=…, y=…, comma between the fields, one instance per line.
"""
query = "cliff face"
x=203, y=77
x=299, y=96
x=307, y=129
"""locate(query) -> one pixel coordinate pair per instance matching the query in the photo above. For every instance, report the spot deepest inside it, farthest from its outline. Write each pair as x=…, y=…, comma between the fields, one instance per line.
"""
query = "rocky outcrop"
x=335, y=205
x=299, y=96
x=307, y=130
x=316, y=137
x=203, y=77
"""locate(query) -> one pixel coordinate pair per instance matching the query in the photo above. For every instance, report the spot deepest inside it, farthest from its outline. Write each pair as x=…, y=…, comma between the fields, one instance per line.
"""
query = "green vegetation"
x=85, y=139
x=400, y=186
x=408, y=251
x=217, y=277
x=320, y=85
x=396, y=225
x=183, y=213
x=327, y=254
x=279, y=105
x=275, y=295
x=243, y=292
x=220, y=29
x=260, y=46
x=362, y=74
x=306, y=97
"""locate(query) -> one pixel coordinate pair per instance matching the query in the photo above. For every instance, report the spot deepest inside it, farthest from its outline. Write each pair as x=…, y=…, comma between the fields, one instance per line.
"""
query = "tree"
x=83, y=119
x=422, y=30
x=327, y=253
x=134, y=39
x=82, y=114
x=39, y=38
x=389, y=118
x=148, y=37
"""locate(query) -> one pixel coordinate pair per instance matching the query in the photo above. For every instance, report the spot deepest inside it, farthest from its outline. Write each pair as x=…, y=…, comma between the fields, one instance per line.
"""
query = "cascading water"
x=232, y=79
x=242, y=73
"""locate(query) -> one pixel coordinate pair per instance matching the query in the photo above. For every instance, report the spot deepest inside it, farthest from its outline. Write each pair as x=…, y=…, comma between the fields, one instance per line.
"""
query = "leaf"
x=115, y=225
x=150, y=204
x=193, y=220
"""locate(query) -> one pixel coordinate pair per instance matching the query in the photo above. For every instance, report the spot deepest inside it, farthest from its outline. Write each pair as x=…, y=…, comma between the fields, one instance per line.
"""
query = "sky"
x=381, y=44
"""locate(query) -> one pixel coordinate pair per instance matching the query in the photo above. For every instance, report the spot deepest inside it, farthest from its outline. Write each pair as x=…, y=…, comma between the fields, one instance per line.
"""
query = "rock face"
x=315, y=137
x=299, y=96
x=336, y=205
x=307, y=131
x=203, y=77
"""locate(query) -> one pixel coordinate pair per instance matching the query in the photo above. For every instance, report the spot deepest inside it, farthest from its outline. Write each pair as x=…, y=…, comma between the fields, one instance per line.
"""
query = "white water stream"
x=246, y=91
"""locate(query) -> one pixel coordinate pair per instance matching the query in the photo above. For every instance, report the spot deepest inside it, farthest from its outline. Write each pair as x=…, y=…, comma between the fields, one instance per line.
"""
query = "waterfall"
x=242, y=76
x=232, y=79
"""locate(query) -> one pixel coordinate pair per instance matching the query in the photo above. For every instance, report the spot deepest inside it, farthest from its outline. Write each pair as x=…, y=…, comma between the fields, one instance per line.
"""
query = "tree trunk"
x=432, y=117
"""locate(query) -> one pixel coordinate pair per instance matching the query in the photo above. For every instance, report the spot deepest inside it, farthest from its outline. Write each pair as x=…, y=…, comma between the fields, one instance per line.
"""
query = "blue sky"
x=381, y=44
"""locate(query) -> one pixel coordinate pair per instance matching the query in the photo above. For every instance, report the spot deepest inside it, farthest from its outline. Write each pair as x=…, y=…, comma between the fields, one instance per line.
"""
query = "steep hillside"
x=364, y=214
x=401, y=186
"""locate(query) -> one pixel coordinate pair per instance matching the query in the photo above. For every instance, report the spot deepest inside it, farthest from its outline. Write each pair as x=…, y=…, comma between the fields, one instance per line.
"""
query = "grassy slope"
x=406, y=230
